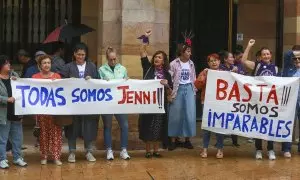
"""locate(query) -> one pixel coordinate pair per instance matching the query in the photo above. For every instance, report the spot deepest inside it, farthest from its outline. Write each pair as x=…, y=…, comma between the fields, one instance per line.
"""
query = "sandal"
x=203, y=154
x=148, y=155
x=157, y=155
x=219, y=155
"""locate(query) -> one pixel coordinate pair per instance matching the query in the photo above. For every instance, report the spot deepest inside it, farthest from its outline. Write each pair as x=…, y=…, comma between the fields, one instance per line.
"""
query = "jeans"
x=258, y=145
x=206, y=139
x=182, y=113
x=12, y=131
x=286, y=146
x=88, y=146
x=123, y=123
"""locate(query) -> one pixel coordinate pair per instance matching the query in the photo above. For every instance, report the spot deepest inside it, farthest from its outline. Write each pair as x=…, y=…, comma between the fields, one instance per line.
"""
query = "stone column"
x=89, y=16
x=291, y=23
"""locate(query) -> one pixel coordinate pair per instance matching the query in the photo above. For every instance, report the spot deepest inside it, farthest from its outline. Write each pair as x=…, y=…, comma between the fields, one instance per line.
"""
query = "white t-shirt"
x=81, y=69
x=185, y=76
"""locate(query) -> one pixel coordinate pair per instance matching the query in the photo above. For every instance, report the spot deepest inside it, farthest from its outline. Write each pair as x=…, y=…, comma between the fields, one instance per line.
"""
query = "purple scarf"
x=159, y=72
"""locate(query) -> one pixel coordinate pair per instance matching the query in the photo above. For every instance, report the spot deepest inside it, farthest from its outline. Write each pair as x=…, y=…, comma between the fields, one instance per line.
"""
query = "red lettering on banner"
x=235, y=92
x=273, y=95
x=224, y=92
x=248, y=90
x=221, y=89
x=146, y=97
x=261, y=90
x=124, y=94
x=130, y=97
x=137, y=97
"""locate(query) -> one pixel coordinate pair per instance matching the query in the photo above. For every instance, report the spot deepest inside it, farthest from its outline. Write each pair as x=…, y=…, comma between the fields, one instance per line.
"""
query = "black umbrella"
x=67, y=32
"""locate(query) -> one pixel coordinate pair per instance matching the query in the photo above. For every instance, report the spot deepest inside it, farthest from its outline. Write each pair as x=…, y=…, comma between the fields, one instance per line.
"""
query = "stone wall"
x=257, y=19
x=291, y=23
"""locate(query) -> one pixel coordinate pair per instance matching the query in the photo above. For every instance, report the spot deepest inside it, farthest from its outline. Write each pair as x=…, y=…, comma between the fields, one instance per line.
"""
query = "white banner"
x=254, y=107
x=79, y=96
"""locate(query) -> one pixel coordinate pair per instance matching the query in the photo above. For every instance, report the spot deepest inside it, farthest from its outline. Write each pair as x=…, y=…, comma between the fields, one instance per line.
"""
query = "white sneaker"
x=287, y=155
x=58, y=162
x=258, y=154
x=124, y=155
x=20, y=162
x=4, y=164
x=43, y=161
x=110, y=155
x=89, y=156
x=71, y=158
x=271, y=155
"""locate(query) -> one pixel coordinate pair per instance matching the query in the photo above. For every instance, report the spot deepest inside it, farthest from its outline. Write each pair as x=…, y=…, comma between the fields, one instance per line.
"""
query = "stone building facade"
x=119, y=22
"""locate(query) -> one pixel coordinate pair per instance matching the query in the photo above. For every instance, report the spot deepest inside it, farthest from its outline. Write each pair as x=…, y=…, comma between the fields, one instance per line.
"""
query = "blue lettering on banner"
x=89, y=95
x=263, y=124
x=41, y=96
x=245, y=123
x=254, y=125
x=270, y=129
x=237, y=123
x=244, y=126
x=229, y=117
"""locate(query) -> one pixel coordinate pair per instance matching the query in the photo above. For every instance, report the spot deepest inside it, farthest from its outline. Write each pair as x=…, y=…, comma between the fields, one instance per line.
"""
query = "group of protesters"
x=178, y=78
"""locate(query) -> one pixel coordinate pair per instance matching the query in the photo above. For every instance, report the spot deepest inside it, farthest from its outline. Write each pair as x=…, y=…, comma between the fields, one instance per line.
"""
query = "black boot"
x=188, y=145
x=172, y=146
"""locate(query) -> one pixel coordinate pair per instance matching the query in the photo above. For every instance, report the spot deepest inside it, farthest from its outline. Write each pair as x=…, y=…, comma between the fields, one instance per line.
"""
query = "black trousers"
x=234, y=139
x=258, y=144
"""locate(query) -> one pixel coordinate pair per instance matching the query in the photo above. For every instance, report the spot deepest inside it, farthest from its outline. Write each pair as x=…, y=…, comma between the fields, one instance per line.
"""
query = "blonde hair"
x=110, y=50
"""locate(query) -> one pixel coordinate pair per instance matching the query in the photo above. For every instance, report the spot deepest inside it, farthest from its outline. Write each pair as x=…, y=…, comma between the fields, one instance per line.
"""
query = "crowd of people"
x=166, y=130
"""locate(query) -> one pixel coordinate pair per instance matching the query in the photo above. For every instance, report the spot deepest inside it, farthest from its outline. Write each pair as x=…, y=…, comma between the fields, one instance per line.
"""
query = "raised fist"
x=148, y=33
x=251, y=42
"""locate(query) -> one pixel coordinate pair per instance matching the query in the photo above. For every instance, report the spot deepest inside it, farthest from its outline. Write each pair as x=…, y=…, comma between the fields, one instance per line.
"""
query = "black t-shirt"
x=10, y=106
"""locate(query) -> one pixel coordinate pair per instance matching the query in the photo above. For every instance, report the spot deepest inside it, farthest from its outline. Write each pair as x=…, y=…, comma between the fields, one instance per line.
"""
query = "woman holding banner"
x=84, y=126
x=10, y=124
x=51, y=134
x=264, y=67
x=114, y=70
x=213, y=61
x=228, y=64
x=153, y=128
x=182, y=114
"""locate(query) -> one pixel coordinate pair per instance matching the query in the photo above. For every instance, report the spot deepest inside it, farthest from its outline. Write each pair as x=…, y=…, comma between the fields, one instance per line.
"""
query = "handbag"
x=36, y=130
x=62, y=120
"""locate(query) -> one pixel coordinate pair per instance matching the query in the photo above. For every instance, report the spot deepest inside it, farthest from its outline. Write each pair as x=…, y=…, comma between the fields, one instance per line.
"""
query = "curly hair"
x=39, y=59
x=166, y=64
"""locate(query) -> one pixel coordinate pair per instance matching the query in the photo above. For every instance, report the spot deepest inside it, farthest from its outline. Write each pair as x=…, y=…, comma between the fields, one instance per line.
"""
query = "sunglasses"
x=296, y=58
